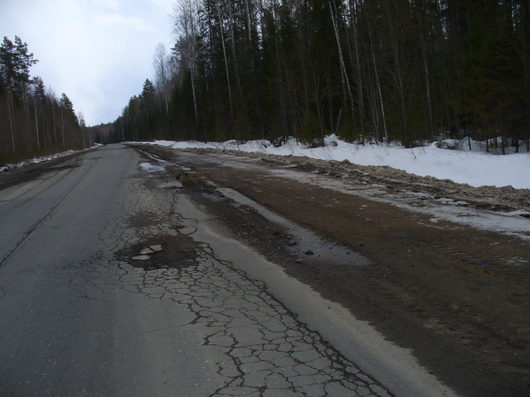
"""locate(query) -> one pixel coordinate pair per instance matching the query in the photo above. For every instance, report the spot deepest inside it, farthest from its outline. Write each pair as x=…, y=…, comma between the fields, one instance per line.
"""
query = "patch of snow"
x=522, y=213
x=148, y=167
x=173, y=184
x=36, y=160
x=473, y=168
x=449, y=201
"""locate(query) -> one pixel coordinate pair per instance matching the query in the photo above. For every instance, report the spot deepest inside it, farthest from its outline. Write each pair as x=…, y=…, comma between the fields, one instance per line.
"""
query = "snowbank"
x=36, y=160
x=473, y=168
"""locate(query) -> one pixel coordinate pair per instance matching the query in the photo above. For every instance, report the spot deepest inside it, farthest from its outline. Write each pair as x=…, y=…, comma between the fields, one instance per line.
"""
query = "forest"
x=369, y=70
x=33, y=121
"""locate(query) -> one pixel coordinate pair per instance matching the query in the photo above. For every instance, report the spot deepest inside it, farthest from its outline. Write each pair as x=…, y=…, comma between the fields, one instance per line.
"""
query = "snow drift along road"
x=473, y=168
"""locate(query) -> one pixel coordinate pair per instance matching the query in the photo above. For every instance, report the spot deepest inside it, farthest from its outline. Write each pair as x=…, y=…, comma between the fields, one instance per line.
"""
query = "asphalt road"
x=80, y=317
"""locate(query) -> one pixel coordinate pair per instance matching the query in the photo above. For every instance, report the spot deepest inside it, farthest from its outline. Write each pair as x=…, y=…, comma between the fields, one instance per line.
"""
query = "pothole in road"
x=161, y=252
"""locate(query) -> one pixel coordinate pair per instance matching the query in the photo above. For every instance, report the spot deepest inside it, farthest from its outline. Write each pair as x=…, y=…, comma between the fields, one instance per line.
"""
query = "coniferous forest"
x=33, y=121
x=369, y=70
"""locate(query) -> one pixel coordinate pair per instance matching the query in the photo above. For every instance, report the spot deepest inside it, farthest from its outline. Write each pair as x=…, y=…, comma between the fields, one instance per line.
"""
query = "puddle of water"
x=309, y=247
x=215, y=196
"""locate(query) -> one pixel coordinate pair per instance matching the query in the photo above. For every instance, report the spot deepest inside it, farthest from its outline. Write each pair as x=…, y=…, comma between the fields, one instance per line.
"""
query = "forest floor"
x=437, y=267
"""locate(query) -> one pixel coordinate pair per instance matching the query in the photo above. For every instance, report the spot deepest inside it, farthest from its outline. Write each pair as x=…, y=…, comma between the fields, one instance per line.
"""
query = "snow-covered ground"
x=35, y=160
x=473, y=168
x=148, y=167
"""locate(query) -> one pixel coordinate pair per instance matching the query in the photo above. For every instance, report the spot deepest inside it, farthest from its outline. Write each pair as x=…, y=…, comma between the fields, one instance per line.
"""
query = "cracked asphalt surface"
x=79, y=317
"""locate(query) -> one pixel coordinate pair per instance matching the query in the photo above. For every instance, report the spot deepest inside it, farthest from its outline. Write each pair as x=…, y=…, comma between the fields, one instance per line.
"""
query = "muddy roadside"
x=32, y=171
x=449, y=292
x=393, y=180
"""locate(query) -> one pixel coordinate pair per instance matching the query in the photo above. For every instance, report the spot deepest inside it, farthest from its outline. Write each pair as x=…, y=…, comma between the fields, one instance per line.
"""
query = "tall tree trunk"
x=377, y=81
x=279, y=81
x=54, y=126
x=360, y=87
x=423, y=46
x=345, y=78
x=373, y=103
x=398, y=73
x=525, y=39
x=36, y=124
x=306, y=59
x=62, y=129
x=234, y=54
x=249, y=22
x=166, y=102
x=194, y=98
x=226, y=63
x=10, y=112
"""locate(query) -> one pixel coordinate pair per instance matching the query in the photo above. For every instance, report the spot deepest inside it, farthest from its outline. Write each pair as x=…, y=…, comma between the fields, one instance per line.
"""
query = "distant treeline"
x=33, y=121
x=379, y=70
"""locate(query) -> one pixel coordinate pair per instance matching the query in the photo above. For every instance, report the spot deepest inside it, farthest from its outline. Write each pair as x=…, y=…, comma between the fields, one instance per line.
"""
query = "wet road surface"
x=79, y=317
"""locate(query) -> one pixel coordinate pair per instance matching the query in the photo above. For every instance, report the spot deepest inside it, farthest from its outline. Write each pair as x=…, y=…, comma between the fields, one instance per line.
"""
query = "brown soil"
x=446, y=292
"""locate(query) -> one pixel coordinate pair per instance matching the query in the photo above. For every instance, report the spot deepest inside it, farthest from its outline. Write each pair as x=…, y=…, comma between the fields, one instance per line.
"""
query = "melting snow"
x=473, y=168
x=36, y=160
x=148, y=167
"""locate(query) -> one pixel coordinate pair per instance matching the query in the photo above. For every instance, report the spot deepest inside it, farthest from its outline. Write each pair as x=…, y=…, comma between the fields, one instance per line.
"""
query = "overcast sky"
x=99, y=52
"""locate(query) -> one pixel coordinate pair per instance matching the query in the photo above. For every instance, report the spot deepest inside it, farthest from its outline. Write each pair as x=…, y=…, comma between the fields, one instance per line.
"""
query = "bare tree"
x=160, y=62
x=345, y=78
x=185, y=25
x=226, y=61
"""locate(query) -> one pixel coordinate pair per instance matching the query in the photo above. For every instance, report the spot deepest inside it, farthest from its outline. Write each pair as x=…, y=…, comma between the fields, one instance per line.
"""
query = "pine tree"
x=403, y=70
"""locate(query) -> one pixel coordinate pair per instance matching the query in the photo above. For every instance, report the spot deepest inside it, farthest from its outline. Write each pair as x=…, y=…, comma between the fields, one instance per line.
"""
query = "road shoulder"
x=425, y=289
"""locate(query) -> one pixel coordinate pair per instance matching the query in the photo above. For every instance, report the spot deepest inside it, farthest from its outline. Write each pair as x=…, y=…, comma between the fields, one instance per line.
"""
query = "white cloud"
x=135, y=23
x=164, y=5
x=111, y=5
x=99, y=52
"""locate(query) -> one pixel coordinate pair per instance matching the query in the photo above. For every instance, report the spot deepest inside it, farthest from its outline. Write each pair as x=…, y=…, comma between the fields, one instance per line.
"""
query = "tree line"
x=368, y=70
x=33, y=121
